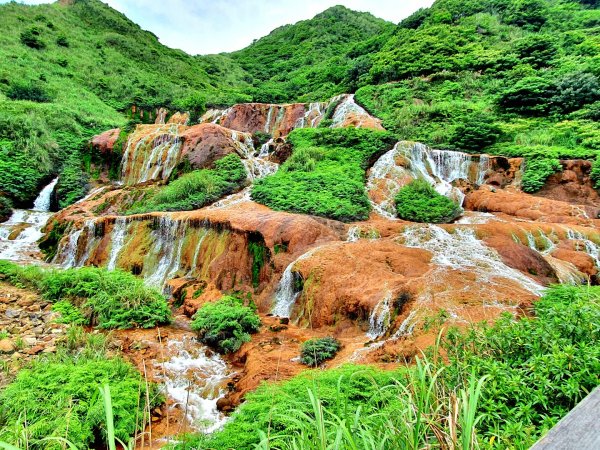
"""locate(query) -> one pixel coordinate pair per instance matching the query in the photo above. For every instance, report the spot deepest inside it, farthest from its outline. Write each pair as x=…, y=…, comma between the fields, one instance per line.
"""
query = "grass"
x=418, y=201
x=94, y=296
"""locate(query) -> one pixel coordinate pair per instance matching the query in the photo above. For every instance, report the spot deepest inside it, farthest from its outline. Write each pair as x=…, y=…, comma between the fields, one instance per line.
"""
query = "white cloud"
x=211, y=26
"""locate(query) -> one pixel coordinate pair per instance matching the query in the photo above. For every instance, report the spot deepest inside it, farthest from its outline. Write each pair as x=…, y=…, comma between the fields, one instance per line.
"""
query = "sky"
x=214, y=26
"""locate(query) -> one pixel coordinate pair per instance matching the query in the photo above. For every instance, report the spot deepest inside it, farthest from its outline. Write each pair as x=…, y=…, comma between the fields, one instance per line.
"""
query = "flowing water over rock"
x=379, y=321
x=287, y=291
x=152, y=153
x=195, y=378
x=20, y=233
x=408, y=161
x=460, y=249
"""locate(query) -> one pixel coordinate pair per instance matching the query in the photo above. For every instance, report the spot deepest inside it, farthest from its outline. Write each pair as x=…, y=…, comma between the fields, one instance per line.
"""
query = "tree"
x=529, y=96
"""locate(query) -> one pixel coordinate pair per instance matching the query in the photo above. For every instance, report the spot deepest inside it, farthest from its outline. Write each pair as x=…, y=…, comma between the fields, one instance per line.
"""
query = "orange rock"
x=105, y=142
x=573, y=184
x=206, y=143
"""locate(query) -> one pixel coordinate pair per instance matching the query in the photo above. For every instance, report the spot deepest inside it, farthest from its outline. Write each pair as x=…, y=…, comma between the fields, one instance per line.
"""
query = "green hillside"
x=513, y=77
x=72, y=69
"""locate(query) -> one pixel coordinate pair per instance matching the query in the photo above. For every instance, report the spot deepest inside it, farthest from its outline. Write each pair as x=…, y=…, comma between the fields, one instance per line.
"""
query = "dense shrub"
x=529, y=96
x=59, y=398
x=73, y=182
x=537, y=50
x=325, y=174
x=5, y=208
x=31, y=38
x=418, y=201
x=595, y=174
x=315, y=351
x=575, y=90
x=107, y=299
x=539, y=368
x=529, y=14
x=537, y=171
x=198, y=188
x=226, y=324
x=31, y=91
x=475, y=134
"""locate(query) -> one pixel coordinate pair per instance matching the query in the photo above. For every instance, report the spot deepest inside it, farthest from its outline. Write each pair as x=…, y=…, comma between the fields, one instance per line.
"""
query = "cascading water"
x=119, y=233
x=151, y=155
x=566, y=271
x=168, y=240
x=585, y=244
x=379, y=321
x=20, y=233
x=462, y=250
x=195, y=380
x=347, y=107
x=256, y=164
x=286, y=293
x=410, y=160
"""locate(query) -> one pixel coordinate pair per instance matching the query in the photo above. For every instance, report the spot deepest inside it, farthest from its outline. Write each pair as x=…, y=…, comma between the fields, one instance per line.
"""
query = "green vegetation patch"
x=325, y=176
x=225, y=324
x=59, y=397
x=418, y=201
x=316, y=351
x=106, y=299
x=198, y=188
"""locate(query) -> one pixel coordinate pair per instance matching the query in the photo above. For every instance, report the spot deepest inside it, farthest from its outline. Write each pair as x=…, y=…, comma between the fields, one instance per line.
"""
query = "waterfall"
x=585, y=244
x=152, y=153
x=118, y=241
x=286, y=293
x=353, y=234
x=195, y=379
x=462, y=250
x=66, y=254
x=168, y=243
x=379, y=320
x=42, y=202
x=256, y=165
x=566, y=272
x=408, y=161
x=20, y=233
x=346, y=107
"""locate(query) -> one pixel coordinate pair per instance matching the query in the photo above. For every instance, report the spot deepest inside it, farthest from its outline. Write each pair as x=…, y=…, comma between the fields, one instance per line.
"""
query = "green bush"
x=198, y=188
x=537, y=171
x=529, y=96
x=59, y=398
x=315, y=351
x=69, y=313
x=31, y=38
x=107, y=299
x=226, y=324
x=475, y=134
x=34, y=92
x=325, y=175
x=539, y=368
x=595, y=174
x=5, y=208
x=418, y=201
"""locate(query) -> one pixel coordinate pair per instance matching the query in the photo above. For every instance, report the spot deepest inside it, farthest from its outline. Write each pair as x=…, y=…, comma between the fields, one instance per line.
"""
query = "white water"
x=410, y=160
x=347, y=107
x=585, y=244
x=462, y=250
x=23, y=245
x=255, y=162
x=566, y=271
x=118, y=235
x=194, y=378
x=157, y=162
x=168, y=241
x=379, y=321
x=286, y=295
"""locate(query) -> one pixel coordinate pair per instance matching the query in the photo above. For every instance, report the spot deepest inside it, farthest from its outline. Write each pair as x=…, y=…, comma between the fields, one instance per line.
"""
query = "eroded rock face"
x=206, y=143
x=521, y=205
x=105, y=142
x=275, y=120
x=573, y=184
